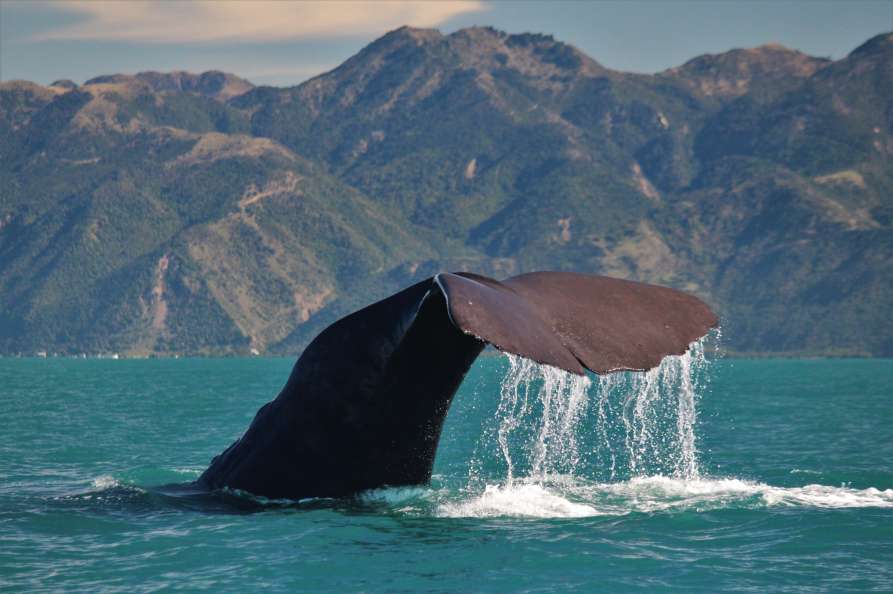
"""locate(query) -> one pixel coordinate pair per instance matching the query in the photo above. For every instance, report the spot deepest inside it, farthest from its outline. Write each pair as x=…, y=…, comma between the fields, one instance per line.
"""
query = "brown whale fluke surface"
x=366, y=401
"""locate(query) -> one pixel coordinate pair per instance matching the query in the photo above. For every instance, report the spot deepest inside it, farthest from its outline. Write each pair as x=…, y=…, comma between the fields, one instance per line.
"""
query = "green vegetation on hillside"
x=182, y=213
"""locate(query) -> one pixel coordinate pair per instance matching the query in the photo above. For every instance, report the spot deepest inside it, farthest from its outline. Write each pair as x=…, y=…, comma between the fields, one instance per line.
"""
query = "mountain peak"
x=732, y=73
x=213, y=83
x=772, y=46
x=408, y=65
x=416, y=34
x=878, y=44
x=64, y=84
x=479, y=32
x=532, y=54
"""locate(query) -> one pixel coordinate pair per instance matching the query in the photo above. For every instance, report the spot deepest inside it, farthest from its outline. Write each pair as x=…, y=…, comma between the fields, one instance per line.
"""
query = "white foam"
x=565, y=497
x=828, y=497
x=656, y=493
x=104, y=482
x=526, y=500
x=394, y=495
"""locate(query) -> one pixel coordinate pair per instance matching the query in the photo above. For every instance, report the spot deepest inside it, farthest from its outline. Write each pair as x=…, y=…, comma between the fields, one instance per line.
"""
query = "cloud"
x=252, y=20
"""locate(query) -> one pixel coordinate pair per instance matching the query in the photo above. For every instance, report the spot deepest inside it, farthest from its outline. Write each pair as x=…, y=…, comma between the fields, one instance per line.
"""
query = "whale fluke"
x=366, y=401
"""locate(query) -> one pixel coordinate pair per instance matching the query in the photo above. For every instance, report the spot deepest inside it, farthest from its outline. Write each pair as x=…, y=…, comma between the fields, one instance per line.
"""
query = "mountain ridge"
x=197, y=213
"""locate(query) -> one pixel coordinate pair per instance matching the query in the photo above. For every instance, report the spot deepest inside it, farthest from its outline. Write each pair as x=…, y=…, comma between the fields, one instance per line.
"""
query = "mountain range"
x=179, y=213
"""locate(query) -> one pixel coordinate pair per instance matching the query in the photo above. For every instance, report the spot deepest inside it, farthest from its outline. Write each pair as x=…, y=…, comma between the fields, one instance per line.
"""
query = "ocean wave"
x=651, y=495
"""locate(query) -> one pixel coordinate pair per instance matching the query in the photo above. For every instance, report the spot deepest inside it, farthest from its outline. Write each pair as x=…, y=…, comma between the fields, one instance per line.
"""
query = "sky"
x=284, y=42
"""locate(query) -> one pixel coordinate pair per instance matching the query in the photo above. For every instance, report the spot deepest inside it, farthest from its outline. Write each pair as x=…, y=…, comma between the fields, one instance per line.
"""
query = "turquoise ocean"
x=700, y=476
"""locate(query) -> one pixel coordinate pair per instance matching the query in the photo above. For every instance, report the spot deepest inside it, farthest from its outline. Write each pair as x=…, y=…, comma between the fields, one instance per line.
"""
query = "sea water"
x=730, y=475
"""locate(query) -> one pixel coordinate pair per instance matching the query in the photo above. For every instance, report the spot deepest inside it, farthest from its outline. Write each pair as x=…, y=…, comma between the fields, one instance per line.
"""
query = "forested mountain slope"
x=199, y=214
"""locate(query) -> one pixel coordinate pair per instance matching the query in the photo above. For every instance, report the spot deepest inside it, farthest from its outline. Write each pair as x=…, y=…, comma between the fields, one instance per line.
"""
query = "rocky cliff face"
x=196, y=213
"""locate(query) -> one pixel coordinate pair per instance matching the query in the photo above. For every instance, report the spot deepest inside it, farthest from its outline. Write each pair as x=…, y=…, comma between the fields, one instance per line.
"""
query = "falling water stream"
x=644, y=422
x=562, y=445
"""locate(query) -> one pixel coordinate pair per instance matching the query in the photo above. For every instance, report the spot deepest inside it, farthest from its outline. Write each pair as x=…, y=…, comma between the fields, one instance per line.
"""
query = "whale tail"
x=366, y=401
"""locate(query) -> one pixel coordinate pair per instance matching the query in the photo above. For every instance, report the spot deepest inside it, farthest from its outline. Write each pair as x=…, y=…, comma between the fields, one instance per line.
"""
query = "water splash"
x=580, y=498
x=660, y=414
x=556, y=400
x=563, y=446
x=550, y=423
